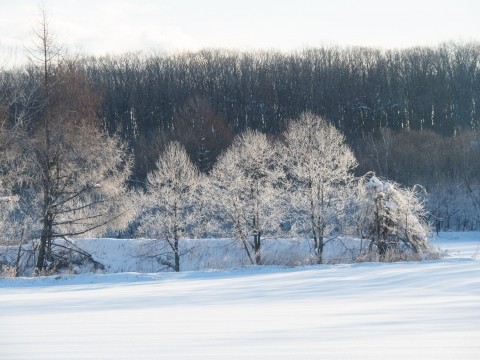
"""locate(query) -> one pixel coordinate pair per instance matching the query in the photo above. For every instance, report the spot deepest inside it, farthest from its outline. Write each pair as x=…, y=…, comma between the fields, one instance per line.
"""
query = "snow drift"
x=426, y=310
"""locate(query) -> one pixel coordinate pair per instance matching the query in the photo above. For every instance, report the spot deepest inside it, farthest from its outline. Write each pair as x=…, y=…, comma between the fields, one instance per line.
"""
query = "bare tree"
x=245, y=185
x=76, y=178
x=171, y=205
x=319, y=165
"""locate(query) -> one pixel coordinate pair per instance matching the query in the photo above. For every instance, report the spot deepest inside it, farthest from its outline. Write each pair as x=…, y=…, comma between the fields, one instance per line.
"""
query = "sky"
x=101, y=27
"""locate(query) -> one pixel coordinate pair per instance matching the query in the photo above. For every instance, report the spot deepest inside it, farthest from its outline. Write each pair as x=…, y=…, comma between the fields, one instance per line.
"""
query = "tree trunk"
x=382, y=249
x=177, y=257
x=320, y=250
x=245, y=246
x=19, y=254
x=44, y=250
x=314, y=231
x=176, y=237
x=321, y=245
x=257, y=243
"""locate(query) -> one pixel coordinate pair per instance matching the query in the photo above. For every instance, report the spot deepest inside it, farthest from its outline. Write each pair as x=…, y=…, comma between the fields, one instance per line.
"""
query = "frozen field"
x=428, y=310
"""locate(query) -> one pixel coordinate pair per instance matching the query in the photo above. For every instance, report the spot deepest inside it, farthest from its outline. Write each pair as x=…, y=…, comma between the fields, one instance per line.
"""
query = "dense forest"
x=410, y=115
x=360, y=89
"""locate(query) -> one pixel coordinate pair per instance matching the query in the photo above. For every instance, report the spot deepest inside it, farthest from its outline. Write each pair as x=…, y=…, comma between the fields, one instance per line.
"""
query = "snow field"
x=427, y=310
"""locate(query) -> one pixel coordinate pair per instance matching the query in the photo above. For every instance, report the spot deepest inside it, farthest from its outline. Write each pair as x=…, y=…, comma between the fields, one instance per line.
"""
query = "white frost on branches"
x=171, y=204
x=245, y=190
x=319, y=166
x=392, y=217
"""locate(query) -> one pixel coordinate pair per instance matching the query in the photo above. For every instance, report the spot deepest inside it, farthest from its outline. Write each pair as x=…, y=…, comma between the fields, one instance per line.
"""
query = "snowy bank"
x=414, y=310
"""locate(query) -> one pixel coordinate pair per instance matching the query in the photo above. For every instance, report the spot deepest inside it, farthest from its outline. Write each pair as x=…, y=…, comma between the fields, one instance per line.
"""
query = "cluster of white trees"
x=301, y=185
x=72, y=181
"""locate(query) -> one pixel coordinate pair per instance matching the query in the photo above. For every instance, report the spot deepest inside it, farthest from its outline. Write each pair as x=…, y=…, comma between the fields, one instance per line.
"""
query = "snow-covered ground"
x=427, y=310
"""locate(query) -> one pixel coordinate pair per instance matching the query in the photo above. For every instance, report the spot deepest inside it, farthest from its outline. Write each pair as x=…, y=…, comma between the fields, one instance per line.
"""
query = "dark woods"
x=360, y=89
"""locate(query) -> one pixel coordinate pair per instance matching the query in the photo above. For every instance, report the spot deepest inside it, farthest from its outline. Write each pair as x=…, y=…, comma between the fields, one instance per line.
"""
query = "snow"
x=135, y=255
x=418, y=310
x=461, y=245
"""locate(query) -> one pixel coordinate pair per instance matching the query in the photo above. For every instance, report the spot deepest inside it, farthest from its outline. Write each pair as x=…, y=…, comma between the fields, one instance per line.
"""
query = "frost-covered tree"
x=245, y=191
x=319, y=167
x=75, y=181
x=171, y=207
x=392, y=218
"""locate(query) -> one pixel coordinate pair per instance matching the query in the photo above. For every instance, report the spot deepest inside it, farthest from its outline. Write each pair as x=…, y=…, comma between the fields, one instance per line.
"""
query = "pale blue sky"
x=113, y=26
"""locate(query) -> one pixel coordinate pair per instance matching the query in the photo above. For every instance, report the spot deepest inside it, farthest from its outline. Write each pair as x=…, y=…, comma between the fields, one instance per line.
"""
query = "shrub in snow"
x=8, y=271
x=392, y=218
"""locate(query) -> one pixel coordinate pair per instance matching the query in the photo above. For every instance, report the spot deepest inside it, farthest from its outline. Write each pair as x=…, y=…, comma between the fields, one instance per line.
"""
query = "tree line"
x=360, y=89
x=83, y=137
x=425, y=98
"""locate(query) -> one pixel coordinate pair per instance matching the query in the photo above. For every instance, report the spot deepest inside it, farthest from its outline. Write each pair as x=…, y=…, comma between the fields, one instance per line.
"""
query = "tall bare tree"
x=77, y=174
